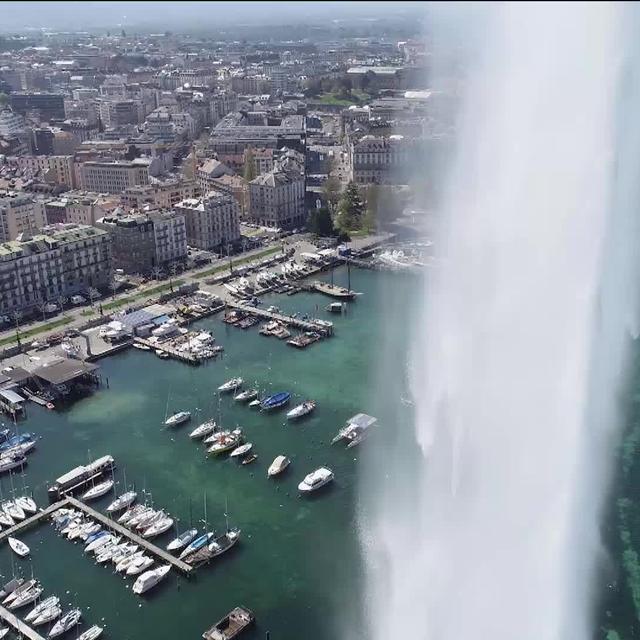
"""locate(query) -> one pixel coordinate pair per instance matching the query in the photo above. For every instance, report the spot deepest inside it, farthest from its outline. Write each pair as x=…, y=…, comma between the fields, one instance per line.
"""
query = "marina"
x=286, y=320
x=124, y=419
x=20, y=627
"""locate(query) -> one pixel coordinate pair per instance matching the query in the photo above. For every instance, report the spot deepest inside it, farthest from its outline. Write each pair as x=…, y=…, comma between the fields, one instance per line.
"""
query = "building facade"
x=277, y=199
x=62, y=261
x=49, y=105
x=162, y=195
x=112, y=177
x=213, y=221
x=56, y=169
x=20, y=213
x=378, y=160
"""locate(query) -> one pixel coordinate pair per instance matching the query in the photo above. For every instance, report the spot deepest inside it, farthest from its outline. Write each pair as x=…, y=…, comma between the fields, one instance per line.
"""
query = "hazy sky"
x=76, y=15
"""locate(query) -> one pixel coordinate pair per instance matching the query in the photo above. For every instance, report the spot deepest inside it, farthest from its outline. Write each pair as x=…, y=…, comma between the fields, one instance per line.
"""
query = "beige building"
x=62, y=261
x=212, y=221
x=112, y=177
x=276, y=199
x=378, y=160
x=20, y=213
x=159, y=194
x=56, y=169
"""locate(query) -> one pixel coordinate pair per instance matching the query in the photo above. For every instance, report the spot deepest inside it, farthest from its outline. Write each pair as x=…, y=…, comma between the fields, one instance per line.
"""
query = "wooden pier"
x=23, y=630
x=304, y=325
x=160, y=554
x=70, y=501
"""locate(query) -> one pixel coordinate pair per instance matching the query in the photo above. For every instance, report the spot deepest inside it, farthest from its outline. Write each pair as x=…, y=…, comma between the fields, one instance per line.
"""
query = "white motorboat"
x=98, y=491
x=125, y=562
x=150, y=579
x=255, y=403
x=356, y=429
x=27, y=504
x=47, y=615
x=177, y=419
x=231, y=385
x=241, y=450
x=122, y=502
x=99, y=542
x=90, y=530
x=182, y=540
x=279, y=464
x=315, y=480
x=91, y=633
x=126, y=552
x=301, y=410
x=246, y=395
x=142, y=347
x=21, y=588
x=158, y=528
x=78, y=532
x=26, y=597
x=109, y=551
x=140, y=564
x=203, y=430
x=18, y=547
x=68, y=621
x=51, y=601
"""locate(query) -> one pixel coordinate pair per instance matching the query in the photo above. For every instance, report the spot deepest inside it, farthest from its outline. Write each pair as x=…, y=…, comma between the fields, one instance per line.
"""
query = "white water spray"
x=522, y=344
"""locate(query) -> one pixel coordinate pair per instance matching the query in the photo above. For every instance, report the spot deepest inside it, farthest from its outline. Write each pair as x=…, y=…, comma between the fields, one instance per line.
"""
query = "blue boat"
x=275, y=401
x=95, y=536
x=14, y=441
x=198, y=543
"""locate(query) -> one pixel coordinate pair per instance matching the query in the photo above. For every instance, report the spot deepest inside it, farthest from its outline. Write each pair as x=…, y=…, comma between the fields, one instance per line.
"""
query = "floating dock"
x=69, y=501
x=23, y=630
x=304, y=325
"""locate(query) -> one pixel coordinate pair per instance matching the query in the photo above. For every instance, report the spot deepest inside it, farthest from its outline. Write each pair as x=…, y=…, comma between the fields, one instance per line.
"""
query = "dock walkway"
x=34, y=519
x=22, y=629
x=304, y=325
x=159, y=553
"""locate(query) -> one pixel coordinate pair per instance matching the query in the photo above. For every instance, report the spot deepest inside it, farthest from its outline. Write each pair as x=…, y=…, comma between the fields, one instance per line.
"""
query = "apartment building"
x=276, y=199
x=56, y=169
x=112, y=177
x=379, y=160
x=61, y=261
x=213, y=221
x=20, y=213
x=160, y=195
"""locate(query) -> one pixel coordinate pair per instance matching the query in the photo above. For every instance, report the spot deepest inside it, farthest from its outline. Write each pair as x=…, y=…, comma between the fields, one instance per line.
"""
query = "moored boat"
x=51, y=601
x=275, y=401
x=301, y=410
x=68, y=621
x=19, y=589
x=47, y=615
x=198, y=543
x=91, y=633
x=26, y=597
x=315, y=480
x=246, y=395
x=140, y=564
x=356, y=429
x=279, y=464
x=158, y=528
x=122, y=502
x=231, y=625
x=231, y=385
x=182, y=540
x=18, y=547
x=226, y=441
x=241, y=450
x=203, y=430
x=98, y=490
x=150, y=579
x=223, y=543
x=252, y=457
x=177, y=419
x=27, y=504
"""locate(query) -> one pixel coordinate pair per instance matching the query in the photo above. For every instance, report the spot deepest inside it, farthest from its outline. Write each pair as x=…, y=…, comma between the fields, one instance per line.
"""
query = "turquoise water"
x=297, y=565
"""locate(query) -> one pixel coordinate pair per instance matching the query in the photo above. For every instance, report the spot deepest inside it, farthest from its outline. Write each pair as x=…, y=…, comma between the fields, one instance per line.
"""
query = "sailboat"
x=202, y=540
x=18, y=547
x=98, y=490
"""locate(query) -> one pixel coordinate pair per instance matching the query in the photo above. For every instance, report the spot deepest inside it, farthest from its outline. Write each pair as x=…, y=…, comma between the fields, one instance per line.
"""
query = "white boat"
x=130, y=513
x=150, y=579
x=78, y=532
x=91, y=633
x=26, y=597
x=182, y=540
x=150, y=519
x=198, y=543
x=68, y=621
x=20, y=589
x=18, y=547
x=51, y=601
x=99, y=542
x=177, y=419
x=47, y=615
x=10, y=461
x=162, y=354
x=246, y=395
x=3, y=631
x=27, y=504
x=226, y=441
x=124, y=563
x=5, y=519
x=231, y=385
x=315, y=480
x=142, y=347
x=140, y=564
x=301, y=410
x=126, y=552
x=122, y=502
x=98, y=490
x=14, y=510
x=279, y=464
x=203, y=430
x=356, y=429
x=241, y=450
x=141, y=516
x=158, y=528
x=255, y=403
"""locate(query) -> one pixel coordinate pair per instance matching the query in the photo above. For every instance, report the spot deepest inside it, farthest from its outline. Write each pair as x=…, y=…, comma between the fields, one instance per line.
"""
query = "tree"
x=350, y=209
x=320, y=222
x=132, y=152
x=249, y=165
x=332, y=191
x=370, y=218
x=4, y=100
x=94, y=294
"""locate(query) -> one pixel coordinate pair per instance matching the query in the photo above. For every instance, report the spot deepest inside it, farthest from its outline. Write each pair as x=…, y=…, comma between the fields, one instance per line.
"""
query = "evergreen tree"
x=370, y=218
x=350, y=209
x=332, y=191
x=249, y=166
x=320, y=222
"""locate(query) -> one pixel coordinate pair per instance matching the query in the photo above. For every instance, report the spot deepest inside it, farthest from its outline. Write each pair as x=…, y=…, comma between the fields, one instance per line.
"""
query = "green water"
x=297, y=565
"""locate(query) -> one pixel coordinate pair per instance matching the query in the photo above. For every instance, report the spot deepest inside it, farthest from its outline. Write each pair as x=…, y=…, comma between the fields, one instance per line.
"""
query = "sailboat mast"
x=348, y=275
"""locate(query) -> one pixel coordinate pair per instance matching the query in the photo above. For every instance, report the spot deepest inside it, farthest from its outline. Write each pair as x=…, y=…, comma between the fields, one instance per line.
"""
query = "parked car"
x=78, y=300
x=50, y=307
